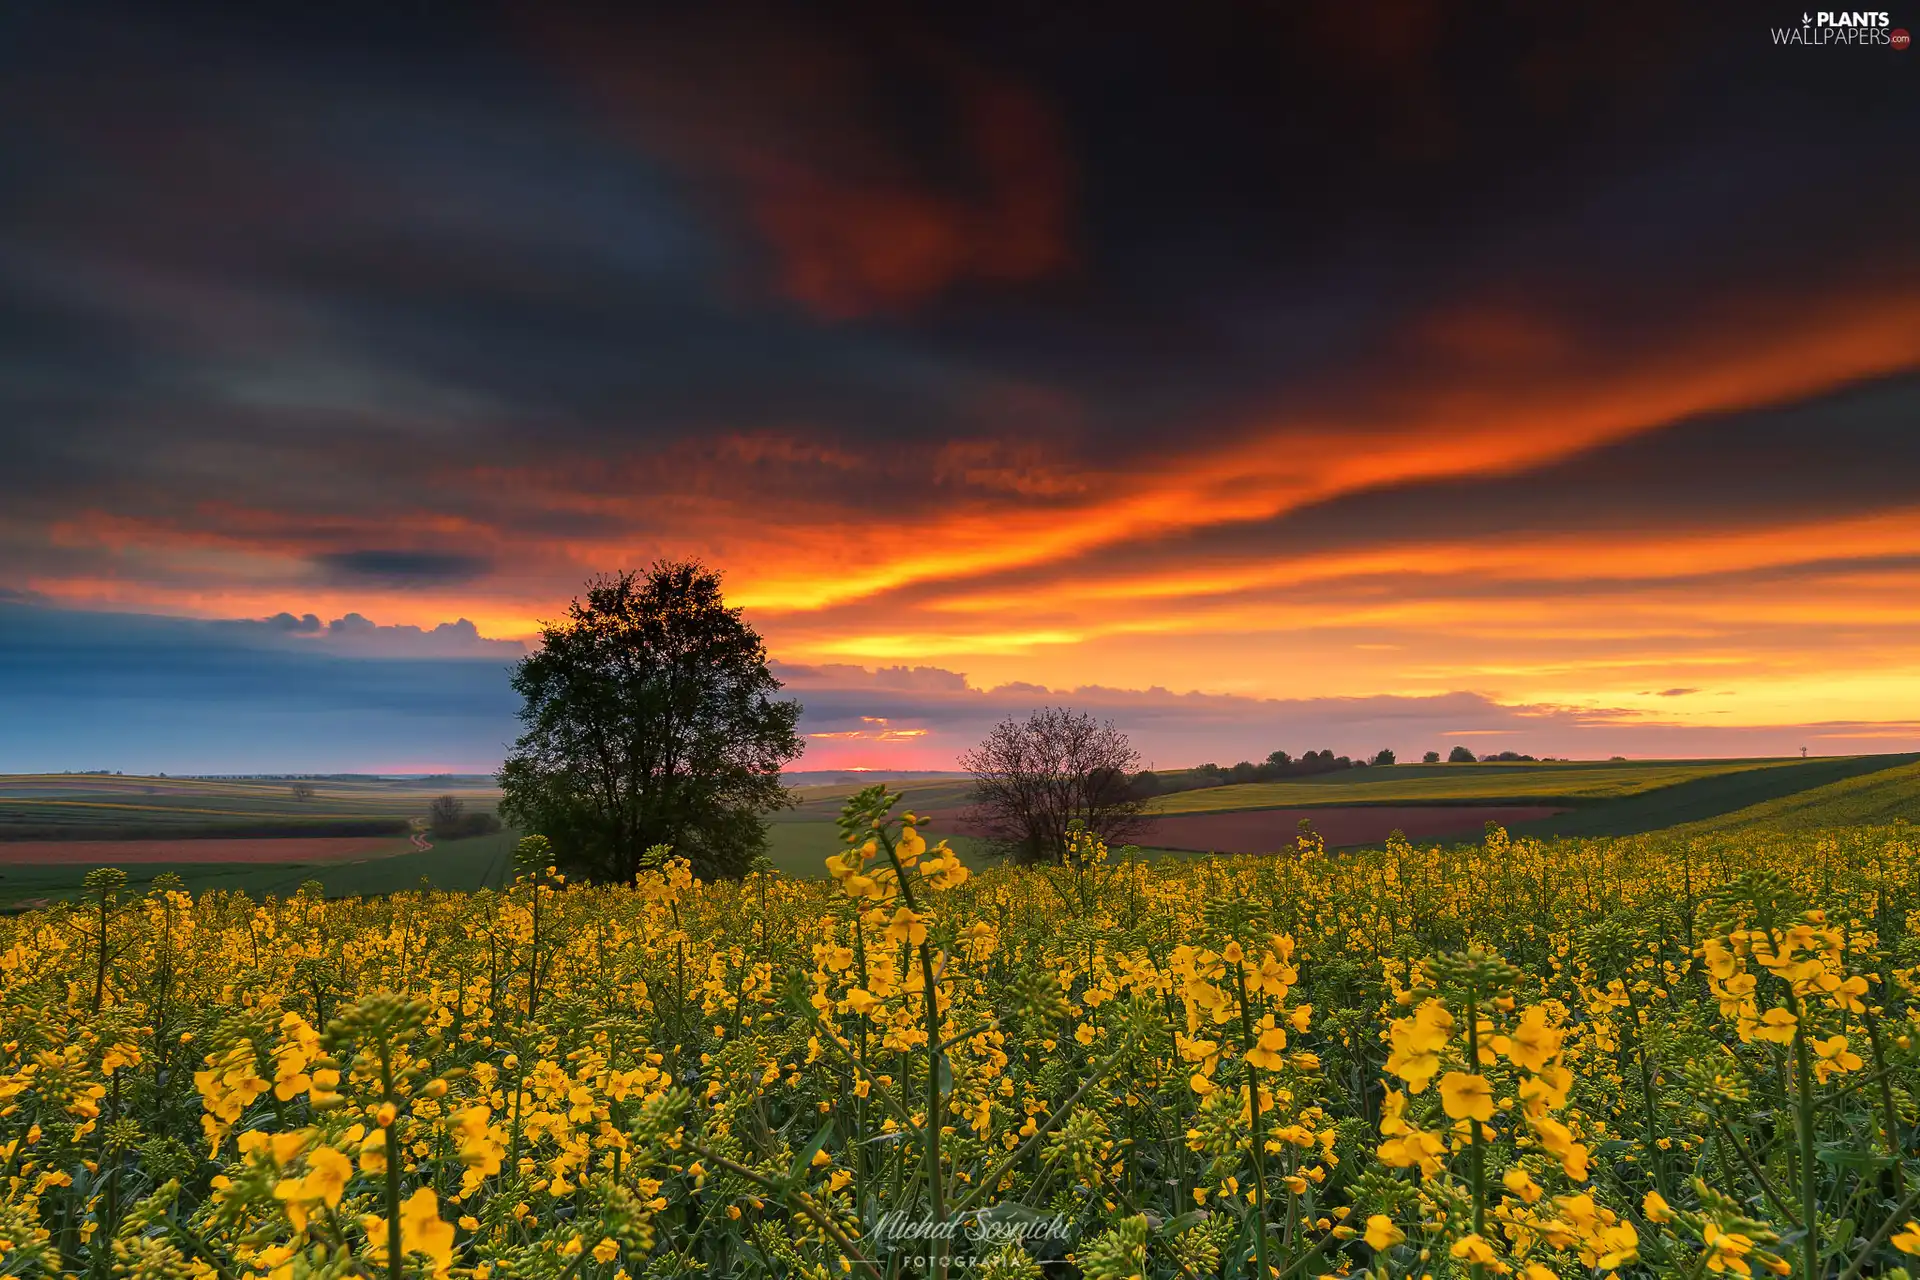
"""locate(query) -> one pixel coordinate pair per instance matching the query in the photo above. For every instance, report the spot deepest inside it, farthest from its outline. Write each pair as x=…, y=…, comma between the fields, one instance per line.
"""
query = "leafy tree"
x=1460, y=755
x=1383, y=756
x=650, y=720
x=1034, y=778
x=1432, y=757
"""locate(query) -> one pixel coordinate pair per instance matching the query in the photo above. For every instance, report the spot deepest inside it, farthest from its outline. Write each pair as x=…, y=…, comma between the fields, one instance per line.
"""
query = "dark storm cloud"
x=404, y=566
x=509, y=235
x=1846, y=453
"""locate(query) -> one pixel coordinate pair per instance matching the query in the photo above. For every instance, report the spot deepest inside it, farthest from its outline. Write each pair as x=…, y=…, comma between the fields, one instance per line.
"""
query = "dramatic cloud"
x=143, y=694
x=403, y=567
x=1538, y=365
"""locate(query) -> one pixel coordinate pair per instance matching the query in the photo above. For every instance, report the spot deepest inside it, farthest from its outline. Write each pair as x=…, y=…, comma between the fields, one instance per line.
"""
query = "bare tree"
x=302, y=790
x=445, y=814
x=1033, y=778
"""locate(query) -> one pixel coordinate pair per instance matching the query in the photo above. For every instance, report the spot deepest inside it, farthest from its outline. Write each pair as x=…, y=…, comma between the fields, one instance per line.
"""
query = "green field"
x=942, y=797
x=1873, y=799
x=63, y=806
x=1602, y=798
x=481, y=862
x=1711, y=797
x=1573, y=783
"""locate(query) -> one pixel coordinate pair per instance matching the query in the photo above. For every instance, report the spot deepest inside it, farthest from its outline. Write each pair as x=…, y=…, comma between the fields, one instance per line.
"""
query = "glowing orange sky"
x=1099, y=588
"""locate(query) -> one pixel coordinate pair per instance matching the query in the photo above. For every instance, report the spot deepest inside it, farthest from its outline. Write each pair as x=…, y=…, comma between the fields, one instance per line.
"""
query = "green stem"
x=1803, y=1083
x=1890, y=1117
x=100, y=969
x=1477, y=1153
x=798, y=1199
x=1060, y=1113
x=1259, y=1143
x=936, y=1185
x=1774, y=1198
x=1900, y=1211
x=396, y=1262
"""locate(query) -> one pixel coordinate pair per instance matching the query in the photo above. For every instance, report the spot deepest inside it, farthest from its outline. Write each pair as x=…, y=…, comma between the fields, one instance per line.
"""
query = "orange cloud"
x=1029, y=557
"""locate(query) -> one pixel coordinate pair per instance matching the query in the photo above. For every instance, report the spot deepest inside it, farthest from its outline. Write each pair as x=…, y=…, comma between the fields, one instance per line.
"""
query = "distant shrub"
x=448, y=819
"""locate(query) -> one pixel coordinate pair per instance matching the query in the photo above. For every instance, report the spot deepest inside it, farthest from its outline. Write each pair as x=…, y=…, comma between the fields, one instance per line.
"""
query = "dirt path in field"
x=107, y=853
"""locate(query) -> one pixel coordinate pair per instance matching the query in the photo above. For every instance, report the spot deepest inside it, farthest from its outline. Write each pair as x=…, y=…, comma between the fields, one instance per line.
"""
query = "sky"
x=1535, y=377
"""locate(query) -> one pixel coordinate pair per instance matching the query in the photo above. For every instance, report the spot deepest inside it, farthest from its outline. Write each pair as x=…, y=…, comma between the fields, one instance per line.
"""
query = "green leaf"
x=1862, y=1161
x=804, y=1157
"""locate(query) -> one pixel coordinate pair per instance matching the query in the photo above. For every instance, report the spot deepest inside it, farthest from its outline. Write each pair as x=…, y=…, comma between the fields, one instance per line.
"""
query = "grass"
x=482, y=862
x=942, y=797
x=95, y=806
x=1873, y=799
x=1712, y=797
x=1574, y=784
x=800, y=848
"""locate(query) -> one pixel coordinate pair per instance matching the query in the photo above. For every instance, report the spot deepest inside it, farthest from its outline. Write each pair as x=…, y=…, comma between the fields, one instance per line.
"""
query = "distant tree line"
x=1147, y=784
x=1277, y=766
x=1460, y=755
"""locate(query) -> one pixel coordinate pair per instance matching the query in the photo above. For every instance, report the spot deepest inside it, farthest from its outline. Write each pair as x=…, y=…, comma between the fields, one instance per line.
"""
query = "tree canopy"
x=650, y=718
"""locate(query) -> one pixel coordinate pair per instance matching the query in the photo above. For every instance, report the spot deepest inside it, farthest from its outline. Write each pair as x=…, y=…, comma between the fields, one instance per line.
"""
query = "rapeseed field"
x=1668, y=1056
